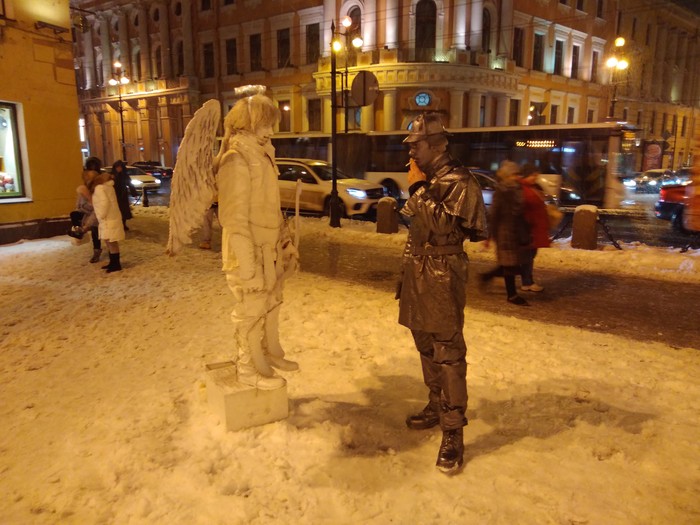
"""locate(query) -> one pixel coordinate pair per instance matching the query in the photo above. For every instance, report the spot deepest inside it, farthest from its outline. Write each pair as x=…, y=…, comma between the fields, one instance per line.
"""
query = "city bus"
x=587, y=160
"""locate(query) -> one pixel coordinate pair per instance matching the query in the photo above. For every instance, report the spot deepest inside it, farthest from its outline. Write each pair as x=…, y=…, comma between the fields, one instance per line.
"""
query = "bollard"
x=144, y=198
x=584, y=232
x=387, y=215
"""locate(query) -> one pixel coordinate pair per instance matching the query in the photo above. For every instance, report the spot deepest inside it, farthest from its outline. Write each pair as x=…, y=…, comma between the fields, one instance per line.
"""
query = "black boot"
x=429, y=417
x=114, y=264
x=451, y=455
x=96, y=253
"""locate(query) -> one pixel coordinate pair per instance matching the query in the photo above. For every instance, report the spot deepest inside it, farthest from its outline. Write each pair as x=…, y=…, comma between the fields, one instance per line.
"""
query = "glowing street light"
x=336, y=47
x=615, y=64
x=118, y=79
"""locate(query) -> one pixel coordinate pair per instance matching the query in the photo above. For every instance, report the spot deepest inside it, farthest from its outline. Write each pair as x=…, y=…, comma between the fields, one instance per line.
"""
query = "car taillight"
x=662, y=194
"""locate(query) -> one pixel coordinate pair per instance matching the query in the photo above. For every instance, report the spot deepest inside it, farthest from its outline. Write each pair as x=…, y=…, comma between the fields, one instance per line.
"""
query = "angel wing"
x=194, y=182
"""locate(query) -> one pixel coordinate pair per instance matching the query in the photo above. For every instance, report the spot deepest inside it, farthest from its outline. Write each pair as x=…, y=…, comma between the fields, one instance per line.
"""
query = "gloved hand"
x=255, y=284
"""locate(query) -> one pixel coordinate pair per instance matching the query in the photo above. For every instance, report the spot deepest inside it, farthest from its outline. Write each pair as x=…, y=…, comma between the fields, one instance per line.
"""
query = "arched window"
x=157, y=63
x=355, y=28
x=136, y=65
x=486, y=31
x=426, y=18
x=179, y=59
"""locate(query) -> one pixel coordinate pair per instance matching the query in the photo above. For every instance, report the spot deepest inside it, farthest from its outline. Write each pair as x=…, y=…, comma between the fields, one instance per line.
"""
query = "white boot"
x=271, y=344
x=248, y=375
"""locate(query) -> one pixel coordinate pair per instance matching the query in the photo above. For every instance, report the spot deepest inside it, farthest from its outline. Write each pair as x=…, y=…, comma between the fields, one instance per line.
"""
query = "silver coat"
x=444, y=213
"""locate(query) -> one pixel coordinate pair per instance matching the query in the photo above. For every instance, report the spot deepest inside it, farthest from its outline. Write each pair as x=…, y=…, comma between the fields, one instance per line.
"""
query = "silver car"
x=139, y=179
x=358, y=196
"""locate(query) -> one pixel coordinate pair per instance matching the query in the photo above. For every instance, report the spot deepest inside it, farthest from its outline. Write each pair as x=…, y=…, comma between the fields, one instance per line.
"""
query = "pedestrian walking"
x=123, y=189
x=446, y=208
x=535, y=213
x=208, y=225
x=509, y=229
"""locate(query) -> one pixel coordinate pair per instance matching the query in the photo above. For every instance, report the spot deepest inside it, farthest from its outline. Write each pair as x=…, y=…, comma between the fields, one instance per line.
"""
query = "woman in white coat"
x=111, y=229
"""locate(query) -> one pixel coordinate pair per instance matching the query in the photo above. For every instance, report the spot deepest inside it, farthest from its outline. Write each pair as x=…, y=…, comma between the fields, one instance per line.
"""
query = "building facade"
x=40, y=162
x=478, y=62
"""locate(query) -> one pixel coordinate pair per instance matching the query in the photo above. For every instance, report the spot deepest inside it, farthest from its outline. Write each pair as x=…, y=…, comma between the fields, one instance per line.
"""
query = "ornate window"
x=426, y=19
x=11, y=183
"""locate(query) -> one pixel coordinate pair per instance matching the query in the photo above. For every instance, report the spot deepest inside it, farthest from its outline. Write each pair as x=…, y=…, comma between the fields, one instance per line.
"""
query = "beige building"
x=40, y=161
x=478, y=62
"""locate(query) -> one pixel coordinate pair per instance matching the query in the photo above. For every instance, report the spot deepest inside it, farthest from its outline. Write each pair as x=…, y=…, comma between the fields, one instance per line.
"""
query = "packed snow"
x=105, y=418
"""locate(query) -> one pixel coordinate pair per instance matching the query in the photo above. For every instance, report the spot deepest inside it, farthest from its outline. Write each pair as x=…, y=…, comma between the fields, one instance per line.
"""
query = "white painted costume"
x=257, y=251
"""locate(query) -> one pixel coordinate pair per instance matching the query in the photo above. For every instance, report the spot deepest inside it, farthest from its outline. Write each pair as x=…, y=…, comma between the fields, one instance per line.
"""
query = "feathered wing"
x=194, y=182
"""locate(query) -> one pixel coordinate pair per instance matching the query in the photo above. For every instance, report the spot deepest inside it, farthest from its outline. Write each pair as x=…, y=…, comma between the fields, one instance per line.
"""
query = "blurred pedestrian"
x=535, y=212
x=207, y=226
x=123, y=189
x=111, y=228
x=446, y=208
x=509, y=229
x=83, y=217
x=94, y=165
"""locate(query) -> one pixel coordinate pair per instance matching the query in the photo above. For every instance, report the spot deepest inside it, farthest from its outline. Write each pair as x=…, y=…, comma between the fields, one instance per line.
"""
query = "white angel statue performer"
x=257, y=249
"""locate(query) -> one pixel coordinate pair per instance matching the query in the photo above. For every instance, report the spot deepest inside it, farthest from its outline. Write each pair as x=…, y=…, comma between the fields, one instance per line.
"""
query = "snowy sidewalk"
x=105, y=421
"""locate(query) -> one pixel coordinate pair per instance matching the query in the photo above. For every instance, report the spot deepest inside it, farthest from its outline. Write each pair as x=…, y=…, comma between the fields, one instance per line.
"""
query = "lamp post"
x=118, y=78
x=615, y=64
x=336, y=47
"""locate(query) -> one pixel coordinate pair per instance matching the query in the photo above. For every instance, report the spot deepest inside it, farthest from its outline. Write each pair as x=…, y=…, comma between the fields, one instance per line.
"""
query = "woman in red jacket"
x=535, y=212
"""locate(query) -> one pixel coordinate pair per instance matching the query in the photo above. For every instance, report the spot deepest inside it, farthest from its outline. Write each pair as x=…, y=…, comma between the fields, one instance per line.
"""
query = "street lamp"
x=615, y=64
x=336, y=47
x=118, y=78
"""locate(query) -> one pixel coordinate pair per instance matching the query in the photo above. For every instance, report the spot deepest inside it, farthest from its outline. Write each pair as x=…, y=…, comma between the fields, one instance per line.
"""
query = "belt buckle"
x=429, y=248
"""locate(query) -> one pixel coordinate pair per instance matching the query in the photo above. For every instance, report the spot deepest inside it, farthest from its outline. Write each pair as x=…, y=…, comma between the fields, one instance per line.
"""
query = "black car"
x=153, y=167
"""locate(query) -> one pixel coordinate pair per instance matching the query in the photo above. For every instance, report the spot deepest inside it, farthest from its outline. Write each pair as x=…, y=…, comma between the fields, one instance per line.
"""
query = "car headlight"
x=652, y=183
x=358, y=194
x=136, y=182
x=574, y=196
x=630, y=183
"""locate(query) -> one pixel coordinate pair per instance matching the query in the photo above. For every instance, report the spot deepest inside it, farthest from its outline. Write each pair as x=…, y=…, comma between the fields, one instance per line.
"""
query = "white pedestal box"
x=241, y=406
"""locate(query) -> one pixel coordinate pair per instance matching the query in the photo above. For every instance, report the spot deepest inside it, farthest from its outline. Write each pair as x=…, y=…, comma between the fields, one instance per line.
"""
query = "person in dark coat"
x=123, y=188
x=446, y=208
x=535, y=212
x=509, y=229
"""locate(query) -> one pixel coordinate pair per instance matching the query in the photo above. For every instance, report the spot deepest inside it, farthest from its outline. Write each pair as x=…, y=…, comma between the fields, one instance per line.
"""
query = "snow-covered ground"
x=104, y=416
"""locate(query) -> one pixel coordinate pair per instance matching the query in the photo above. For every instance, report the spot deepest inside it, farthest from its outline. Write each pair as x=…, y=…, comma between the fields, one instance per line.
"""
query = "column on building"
x=683, y=67
x=167, y=127
x=456, y=108
x=165, y=40
x=144, y=44
x=459, y=26
x=124, y=51
x=474, y=110
x=691, y=70
x=187, y=40
x=389, y=109
x=106, y=45
x=670, y=63
x=391, y=24
x=369, y=25
x=658, y=76
x=327, y=114
x=329, y=15
x=367, y=118
x=89, y=58
x=502, y=106
x=476, y=25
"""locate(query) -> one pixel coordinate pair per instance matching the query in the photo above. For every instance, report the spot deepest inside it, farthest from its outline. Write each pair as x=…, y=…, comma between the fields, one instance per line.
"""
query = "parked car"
x=153, y=167
x=487, y=181
x=358, y=196
x=139, y=179
x=649, y=181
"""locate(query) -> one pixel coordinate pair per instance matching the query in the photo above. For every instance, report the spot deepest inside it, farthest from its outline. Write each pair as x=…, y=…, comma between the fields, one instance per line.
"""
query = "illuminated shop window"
x=11, y=184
